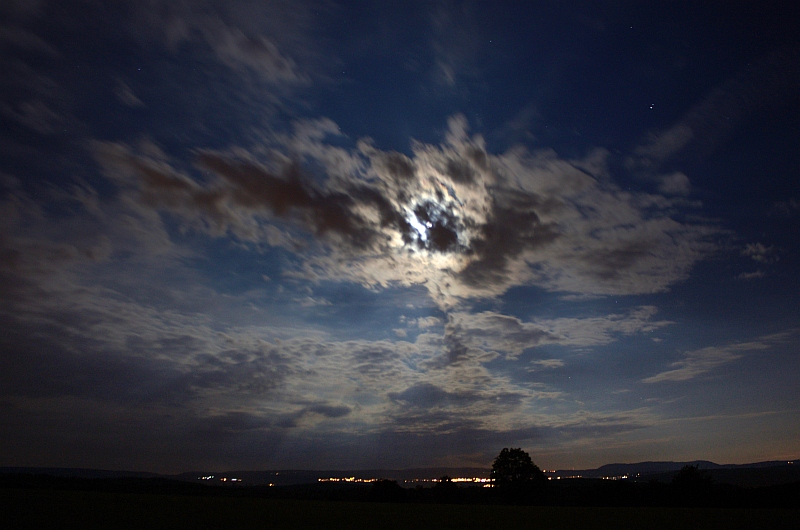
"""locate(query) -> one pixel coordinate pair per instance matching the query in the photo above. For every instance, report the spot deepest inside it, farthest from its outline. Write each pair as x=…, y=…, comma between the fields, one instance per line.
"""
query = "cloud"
x=257, y=53
x=21, y=38
x=35, y=115
x=310, y=301
x=696, y=363
x=674, y=184
x=428, y=322
x=699, y=362
x=760, y=253
x=454, y=218
x=239, y=35
x=22, y=8
x=455, y=44
x=708, y=123
x=329, y=411
x=427, y=408
x=662, y=146
x=750, y=275
x=493, y=333
x=87, y=340
x=426, y=395
x=787, y=208
x=126, y=95
x=602, y=330
x=549, y=363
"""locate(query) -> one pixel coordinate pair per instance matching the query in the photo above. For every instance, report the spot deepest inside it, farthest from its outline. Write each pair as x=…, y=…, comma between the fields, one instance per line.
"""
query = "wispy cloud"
x=750, y=275
x=760, y=253
x=698, y=362
x=126, y=95
x=549, y=363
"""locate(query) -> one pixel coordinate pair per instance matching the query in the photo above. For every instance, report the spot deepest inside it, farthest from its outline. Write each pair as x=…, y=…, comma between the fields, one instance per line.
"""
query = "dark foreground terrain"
x=91, y=509
x=41, y=501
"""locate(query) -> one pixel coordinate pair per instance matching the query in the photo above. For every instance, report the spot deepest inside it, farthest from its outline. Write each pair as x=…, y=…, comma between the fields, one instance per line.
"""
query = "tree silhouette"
x=691, y=486
x=387, y=491
x=445, y=482
x=691, y=477
x=445, y=490
x=514, y=467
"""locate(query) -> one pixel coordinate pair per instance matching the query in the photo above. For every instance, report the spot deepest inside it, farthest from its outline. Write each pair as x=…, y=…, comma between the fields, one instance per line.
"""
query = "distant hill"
x=749, y=475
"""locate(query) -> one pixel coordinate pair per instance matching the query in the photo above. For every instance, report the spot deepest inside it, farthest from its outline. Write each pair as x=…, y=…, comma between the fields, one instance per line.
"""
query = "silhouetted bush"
x=692, y=487
x=387, y=491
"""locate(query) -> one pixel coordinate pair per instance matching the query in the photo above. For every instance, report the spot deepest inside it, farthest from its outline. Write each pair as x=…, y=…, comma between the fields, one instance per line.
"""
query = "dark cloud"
x=330, y=411
x=374, y=358
x=250, y=373
x=426, y=395
x=506, y=234
x=460, y=172
x=291, y=194
x=396, y=165
x=250, y=187
x=41, y=364
x=96, y=434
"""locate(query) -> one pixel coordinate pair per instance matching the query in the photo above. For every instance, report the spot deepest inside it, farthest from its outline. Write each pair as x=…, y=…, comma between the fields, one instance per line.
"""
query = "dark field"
x=61, y=509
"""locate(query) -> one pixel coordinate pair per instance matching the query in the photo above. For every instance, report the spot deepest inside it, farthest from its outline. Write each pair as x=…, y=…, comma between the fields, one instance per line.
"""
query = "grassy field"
x=62, y=509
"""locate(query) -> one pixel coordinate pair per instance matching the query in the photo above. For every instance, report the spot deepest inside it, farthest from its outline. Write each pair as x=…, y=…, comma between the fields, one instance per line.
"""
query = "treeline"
x=694, y=491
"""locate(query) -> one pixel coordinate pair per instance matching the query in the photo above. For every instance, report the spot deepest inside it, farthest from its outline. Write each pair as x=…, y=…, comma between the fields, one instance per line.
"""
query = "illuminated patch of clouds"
x=184, y=362
x=428, y=322
x=454, y=218
x=549, y=363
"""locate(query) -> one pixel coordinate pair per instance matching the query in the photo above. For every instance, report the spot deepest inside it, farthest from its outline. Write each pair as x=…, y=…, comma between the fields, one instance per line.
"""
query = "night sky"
x=258, y=235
